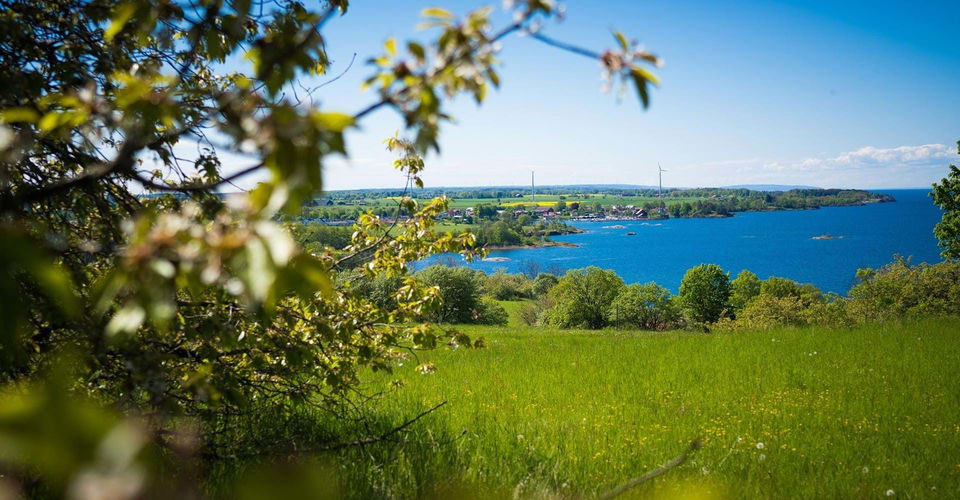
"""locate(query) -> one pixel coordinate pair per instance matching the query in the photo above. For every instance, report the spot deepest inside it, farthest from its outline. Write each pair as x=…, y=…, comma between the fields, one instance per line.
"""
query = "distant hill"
x=546, y=188
x=768, y=187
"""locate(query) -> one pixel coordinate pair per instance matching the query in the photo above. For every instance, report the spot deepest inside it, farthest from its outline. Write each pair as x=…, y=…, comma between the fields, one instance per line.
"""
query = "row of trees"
x=708, y=202
x=596, y=298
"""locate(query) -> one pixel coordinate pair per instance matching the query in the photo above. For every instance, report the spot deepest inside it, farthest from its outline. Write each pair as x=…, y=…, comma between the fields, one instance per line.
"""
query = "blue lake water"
x=768, y=243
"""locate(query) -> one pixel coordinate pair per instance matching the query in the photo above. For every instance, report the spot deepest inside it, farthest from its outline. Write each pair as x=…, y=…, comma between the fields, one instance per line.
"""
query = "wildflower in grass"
x=759, y=446
x=762, y=457
x=890, y=493
x=704, y=470
x=426, y=368
x=866, y=470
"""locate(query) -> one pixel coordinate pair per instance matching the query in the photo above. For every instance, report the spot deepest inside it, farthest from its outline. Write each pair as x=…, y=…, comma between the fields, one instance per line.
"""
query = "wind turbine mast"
x=660, y=188
x=533, y=188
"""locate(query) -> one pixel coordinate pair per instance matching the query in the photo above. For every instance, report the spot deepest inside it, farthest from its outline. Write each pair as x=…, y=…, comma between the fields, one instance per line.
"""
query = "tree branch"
x=338, y=446
x=565, y=46
x=201, y=186
x=619, y=490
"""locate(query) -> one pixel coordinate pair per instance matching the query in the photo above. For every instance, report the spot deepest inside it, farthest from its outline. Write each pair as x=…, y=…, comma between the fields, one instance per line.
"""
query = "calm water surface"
x=767, y=243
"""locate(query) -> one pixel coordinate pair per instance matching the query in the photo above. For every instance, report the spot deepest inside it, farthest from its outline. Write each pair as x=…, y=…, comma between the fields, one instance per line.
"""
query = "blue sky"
x=825, y=93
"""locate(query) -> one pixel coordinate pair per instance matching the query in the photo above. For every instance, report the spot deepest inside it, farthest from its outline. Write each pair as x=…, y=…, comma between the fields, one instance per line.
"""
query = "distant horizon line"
x=625, y=186
x=615, y=186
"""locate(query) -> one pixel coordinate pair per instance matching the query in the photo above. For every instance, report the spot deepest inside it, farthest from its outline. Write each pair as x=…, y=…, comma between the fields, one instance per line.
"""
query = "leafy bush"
x=783, y=287
x=648, y=306
x=489, y=312
x=769, y=311
x=543, y=283
x=582, y=297
x=745, y=287
x=459, y=293
x=705, y=293
x=379, y=289
x=899, y=289
x=503, y=286
x=532, y=312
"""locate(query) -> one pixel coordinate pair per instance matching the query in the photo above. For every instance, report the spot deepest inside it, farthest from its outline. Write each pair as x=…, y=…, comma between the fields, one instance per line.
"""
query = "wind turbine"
x=660, y=189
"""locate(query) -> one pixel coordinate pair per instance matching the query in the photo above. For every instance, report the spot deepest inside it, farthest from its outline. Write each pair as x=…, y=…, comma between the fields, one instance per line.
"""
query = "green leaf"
x=313, y=274
x=22, y=115
x=494, y=77
x=335, y=122
x=260, y=273
x=123, y=13
x=646, y=75
x=621, y=40
x=417, y=50
x=391, y=46
x=436, y=12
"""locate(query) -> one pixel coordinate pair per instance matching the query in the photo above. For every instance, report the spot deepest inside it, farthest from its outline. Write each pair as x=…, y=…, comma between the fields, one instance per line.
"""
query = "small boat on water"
x=631, y=233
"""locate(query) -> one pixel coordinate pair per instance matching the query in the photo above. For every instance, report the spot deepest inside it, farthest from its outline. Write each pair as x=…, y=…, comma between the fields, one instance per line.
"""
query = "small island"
x=827, y=236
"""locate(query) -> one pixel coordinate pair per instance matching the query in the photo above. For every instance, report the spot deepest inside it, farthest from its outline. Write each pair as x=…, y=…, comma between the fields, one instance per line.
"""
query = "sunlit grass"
x=812, y=413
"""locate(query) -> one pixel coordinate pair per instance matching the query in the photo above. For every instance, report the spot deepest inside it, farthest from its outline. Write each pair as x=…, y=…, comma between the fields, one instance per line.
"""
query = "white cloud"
x=926, y=155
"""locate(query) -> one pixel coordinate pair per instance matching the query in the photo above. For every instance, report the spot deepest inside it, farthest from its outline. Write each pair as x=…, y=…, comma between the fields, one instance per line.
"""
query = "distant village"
x=572, y=210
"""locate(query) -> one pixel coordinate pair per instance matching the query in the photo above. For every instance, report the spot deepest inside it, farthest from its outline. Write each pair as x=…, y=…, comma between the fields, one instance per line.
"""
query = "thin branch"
x=203, y=186
x=328, y=82
x=384, y=436
x=339, y=446
x=619, y=490
x=565, y=46
x=371, y=108
x=123, y=162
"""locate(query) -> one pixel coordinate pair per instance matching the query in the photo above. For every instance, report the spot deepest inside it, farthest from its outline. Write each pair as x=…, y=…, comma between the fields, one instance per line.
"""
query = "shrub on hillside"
x=705, y=293
x=745, y=287
x=459, y=292
x=769, y=311
x=543, y=283
x=582, y=297
x=782, y=287
x=899, y=290
x=532, y=313
x=489, y=312
x=833, y=312
x=647, y=306
x=503, y=286
x=380, y=289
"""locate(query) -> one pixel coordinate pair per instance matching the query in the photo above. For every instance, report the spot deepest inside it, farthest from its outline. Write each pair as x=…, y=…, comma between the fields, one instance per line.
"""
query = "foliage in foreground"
x=178, y=308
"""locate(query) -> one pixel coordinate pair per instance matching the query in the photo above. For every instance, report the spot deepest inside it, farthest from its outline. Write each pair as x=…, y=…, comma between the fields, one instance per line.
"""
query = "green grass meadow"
x=808, y=413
